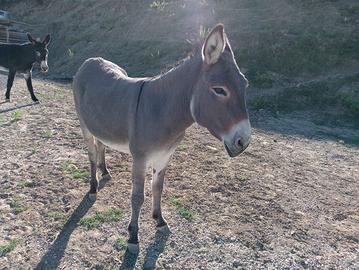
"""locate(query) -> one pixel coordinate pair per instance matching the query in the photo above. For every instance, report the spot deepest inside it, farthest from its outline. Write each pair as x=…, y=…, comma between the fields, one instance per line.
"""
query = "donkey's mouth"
x=233, y=152
x=230, y=153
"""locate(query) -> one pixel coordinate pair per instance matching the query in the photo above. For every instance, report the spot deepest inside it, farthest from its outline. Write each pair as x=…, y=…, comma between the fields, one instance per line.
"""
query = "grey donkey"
x=147, y=117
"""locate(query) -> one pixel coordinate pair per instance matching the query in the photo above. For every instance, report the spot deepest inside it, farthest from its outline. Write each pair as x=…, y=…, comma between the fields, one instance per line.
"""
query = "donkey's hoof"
x=92, y=196
x=163, y=229
x=36, y=101
x=133, y=248
x=106, y=177
x=7, y=99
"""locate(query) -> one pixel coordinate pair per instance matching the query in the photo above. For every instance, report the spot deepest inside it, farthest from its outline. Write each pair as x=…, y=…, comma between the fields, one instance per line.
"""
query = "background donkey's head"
x=41, y=51
x=218, y=101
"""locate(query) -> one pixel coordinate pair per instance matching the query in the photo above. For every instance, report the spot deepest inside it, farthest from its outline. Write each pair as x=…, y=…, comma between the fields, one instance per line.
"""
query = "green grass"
x=16, y=115
x=351, y=103
x=96, y=220
x=182, y=210
x=47, y=134
x=28, y=184
x=5, y=249
x=74, y=171
x=159, y=5
x=18, y=207
x=121, y=244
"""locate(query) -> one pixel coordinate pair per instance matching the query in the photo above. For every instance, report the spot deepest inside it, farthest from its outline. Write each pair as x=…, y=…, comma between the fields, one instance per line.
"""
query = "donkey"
x=147, y=117
x=21, y=57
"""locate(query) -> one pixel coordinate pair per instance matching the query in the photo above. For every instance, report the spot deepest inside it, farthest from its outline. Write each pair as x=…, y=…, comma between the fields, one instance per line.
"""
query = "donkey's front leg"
x=10, y=81
x=27, y=76
x=137, y=198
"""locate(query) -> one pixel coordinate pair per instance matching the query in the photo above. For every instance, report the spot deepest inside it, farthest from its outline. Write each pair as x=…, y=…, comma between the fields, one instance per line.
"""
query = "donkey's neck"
x=175, y=89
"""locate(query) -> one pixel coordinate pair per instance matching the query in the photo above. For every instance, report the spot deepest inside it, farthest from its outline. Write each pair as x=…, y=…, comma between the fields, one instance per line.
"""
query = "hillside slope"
x=281, y=45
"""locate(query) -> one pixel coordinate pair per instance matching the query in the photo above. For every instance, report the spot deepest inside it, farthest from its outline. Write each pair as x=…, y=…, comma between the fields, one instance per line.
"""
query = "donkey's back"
x=105, y=99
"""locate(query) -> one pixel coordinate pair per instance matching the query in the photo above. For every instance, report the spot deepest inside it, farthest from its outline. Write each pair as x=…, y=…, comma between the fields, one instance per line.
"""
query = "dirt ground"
x=289, y=202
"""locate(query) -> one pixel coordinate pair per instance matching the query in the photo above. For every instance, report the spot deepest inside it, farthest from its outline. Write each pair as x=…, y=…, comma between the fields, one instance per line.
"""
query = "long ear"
x=30, y=38
x=47, y=39
x=214, y=45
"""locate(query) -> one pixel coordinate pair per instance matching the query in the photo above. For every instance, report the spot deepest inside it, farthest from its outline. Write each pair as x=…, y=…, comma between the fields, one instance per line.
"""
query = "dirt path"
x=289, y=202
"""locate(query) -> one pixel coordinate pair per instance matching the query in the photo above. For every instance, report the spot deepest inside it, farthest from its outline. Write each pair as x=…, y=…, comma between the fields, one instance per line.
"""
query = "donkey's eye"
x=219, y=91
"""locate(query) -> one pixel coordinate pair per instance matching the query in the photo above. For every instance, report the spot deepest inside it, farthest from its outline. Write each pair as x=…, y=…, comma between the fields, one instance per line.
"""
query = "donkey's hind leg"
x=101, y=161
x=92, y=153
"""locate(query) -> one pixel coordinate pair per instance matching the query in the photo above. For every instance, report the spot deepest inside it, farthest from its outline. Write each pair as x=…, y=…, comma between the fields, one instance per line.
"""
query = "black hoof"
x=92, y=196
x=133, y=248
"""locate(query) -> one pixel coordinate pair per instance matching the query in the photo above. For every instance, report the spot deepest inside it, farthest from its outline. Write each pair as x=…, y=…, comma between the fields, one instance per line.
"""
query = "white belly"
x=121, y=147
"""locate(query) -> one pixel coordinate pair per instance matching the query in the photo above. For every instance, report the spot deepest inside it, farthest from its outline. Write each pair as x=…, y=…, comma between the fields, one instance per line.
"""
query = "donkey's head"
x=41, y=51
x=218, y=101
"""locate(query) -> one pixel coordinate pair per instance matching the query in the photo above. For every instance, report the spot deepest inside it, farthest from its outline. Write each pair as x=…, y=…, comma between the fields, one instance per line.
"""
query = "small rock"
x=236, y=264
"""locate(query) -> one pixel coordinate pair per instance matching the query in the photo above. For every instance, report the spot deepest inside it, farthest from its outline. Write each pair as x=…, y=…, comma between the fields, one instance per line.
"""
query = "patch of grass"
x=47, y=134
x=28, y=184
x=121, y=244
x=5, y=249
x=264, y=102
x=158, y=4
x=151, y=56
x=75, y=172
x=203, y=31
x=18, y=207
x=16, y=115
x=182, y=210
x=351, y=103
x=263, y=80
x=96, y=220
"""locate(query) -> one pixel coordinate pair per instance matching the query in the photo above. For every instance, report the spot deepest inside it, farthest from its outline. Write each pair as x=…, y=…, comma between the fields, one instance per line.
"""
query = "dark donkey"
x=147, y=117
x=21, y=57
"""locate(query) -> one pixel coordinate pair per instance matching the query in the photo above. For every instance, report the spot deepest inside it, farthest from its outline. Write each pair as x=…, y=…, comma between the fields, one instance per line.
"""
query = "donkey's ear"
x=47, y=39
x=214, y=45
x=30, y=38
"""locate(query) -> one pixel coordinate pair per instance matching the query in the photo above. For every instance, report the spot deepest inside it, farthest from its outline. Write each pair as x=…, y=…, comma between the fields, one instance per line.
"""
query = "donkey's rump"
x=105, y=97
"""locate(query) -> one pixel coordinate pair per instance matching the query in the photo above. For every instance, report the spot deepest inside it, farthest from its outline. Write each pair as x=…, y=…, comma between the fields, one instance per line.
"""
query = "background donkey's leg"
x=137, y=198
x=158, y=177
x=92, y=153
x=10, y=80
x=101, y=162
x=27, y=76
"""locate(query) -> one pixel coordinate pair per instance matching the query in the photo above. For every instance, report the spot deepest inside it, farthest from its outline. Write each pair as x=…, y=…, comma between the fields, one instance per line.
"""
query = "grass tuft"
x=75, y=172
x=28, y=184
x=18, y=207
x=16, y=115
x=159, y=5
x=121, y=244
x=182, y=210
x=96, y=220
x=5, y=249
x=47, y=134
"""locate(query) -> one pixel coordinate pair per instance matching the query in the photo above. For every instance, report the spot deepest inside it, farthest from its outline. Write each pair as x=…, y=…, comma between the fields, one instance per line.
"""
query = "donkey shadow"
x=17, y=107
x=153, y=251
x=52, y=258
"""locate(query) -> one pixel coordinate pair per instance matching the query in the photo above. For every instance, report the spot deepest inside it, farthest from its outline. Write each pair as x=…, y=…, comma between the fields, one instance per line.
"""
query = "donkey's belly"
x=121, y=147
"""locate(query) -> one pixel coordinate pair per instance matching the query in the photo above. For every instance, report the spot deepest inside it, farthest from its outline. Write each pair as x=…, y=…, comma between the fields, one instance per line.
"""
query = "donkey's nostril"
x=239, y=143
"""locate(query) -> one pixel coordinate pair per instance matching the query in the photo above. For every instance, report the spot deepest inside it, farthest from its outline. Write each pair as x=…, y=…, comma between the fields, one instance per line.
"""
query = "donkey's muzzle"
x=44, y=67
x=238, y=138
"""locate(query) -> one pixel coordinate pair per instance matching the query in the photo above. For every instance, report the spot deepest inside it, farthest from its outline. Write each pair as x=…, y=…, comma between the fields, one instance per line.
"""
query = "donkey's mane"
x=194, y=52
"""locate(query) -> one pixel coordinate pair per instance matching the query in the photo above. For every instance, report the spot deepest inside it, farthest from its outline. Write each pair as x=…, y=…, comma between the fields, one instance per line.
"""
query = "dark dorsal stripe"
x=139, y=95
